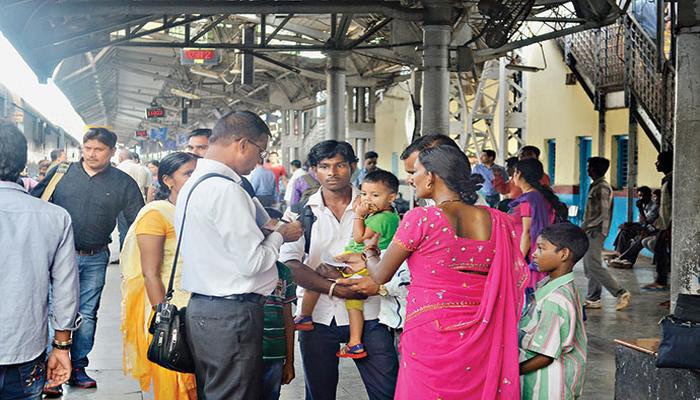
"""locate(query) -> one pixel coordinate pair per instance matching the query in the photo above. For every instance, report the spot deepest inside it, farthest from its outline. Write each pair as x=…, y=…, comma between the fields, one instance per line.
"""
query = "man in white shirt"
x=228, y=262
x=330, y=233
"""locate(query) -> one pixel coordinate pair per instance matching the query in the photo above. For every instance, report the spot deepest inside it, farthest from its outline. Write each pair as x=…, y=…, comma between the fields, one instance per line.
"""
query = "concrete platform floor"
x=638, y=321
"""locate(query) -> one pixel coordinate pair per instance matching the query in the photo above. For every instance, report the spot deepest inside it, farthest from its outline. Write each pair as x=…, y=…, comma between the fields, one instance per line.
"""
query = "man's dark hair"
x=531, y=148
x=646, y=191
x=426, y=142
x=490, y=153
x=329, y=149
x=273, y=152
x=102, y=135
x=566, y=235
x=386, y=178
x=237, y=125
x=55, y=153
x=155, y=163
x=206, y=132
x=295, y=163
x=599, y=165
x=371, y=154
x=511, y=162
x=13, y=152
x=665, y=159
x=135, y=156
x=657, y=192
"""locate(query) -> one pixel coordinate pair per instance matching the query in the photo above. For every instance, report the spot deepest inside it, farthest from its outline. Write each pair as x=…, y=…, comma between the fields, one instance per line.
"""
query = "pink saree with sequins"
x=464, y=302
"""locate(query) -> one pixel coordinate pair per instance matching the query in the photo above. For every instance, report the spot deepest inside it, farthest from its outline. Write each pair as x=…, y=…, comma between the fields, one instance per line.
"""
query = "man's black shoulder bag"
x=168, y=347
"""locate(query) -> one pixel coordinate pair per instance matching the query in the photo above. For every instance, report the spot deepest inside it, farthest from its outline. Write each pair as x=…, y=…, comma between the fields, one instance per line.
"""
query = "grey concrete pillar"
x=360, y=150
x=435, y=116
x=361, y=108
x=335, y=92
x=685, y=249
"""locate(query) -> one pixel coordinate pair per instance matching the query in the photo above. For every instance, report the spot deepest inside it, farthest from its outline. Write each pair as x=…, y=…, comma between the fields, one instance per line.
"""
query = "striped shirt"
x=553, y=327
x=274, y=339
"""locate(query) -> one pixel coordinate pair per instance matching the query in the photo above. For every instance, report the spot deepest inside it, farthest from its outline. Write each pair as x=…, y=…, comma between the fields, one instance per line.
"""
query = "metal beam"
x=342, y=31
x=278, y=28
x=208, y=27
x=52, y=39
x=112, y=7
x=371, y=31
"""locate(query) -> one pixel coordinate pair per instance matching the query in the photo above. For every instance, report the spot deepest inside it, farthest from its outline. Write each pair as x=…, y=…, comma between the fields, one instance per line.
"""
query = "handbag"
x=169, y=347
x=680, y=341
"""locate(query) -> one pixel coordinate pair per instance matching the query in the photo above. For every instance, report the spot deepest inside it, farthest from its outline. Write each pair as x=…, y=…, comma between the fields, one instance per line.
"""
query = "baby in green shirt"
x=374, y=213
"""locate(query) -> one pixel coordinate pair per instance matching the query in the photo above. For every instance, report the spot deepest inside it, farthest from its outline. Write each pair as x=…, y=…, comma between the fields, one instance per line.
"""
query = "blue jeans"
x=272, y=379
x=92, y=271
x=378, y=370
x=23, y=381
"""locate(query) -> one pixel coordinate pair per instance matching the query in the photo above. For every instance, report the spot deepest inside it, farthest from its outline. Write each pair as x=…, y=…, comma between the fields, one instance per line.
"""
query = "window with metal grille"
x=622, y=157
x=551, y=158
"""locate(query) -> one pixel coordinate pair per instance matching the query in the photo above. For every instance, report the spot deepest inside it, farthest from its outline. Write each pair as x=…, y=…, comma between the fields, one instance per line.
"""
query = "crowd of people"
x=450, y=300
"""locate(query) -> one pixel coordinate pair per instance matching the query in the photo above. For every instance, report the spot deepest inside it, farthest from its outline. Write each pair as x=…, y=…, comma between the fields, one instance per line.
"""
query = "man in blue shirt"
x=370, y=164
x=486, y=169
x=263, y=181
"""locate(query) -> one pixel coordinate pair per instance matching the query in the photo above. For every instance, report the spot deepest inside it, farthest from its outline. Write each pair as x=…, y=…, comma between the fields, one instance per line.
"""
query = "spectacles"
x=263, y=152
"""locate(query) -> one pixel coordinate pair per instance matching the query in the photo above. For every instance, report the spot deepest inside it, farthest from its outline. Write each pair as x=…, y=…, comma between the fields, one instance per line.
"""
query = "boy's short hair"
x=384, y=177
x=599, y=164
x=566, y=235
x=329, y=149
x=371, y=154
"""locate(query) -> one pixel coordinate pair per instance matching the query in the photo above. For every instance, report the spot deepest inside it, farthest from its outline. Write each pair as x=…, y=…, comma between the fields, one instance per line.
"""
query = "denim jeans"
x=23, y=381
x=378, y=370
x=92, y=271
x=272, y=379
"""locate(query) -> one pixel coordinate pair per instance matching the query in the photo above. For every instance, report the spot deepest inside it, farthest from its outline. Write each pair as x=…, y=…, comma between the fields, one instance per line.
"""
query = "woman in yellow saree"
x=146, y=261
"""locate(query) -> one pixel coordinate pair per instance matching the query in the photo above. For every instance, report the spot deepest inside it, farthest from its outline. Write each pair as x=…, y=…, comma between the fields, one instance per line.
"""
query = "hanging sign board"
x=189, y=56
x=155, y=112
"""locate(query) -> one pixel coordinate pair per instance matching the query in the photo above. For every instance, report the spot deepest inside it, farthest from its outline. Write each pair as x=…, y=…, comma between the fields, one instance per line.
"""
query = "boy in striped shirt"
x=553, y=343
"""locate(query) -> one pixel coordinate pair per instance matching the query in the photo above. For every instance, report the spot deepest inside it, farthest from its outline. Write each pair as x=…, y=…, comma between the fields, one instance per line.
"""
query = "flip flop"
x=303, y=323
x=653, y=287
x=355, y=352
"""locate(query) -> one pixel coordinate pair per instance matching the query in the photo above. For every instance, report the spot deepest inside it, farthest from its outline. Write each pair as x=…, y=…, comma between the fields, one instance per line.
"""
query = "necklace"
x=449, y=201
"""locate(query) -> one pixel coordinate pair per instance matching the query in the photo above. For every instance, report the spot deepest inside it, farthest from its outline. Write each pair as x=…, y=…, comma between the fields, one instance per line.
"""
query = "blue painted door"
x=584, y=152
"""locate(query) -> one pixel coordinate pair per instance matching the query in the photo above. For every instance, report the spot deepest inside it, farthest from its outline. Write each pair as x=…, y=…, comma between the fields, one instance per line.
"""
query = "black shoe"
x=52, y=392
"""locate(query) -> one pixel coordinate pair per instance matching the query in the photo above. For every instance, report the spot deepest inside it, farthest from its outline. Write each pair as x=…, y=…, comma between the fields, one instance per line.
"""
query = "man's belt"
x=91, y=252
x=244, y=297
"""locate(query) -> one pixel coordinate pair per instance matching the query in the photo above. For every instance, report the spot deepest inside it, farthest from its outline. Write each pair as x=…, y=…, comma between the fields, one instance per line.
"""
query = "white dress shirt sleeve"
x=254, y=253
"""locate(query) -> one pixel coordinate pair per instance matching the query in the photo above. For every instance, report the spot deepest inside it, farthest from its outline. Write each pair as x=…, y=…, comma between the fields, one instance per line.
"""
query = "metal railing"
x=622, y=56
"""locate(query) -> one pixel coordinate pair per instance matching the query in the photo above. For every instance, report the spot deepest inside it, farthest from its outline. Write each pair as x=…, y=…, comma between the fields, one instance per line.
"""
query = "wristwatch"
x=382, y=290
x=61, y=345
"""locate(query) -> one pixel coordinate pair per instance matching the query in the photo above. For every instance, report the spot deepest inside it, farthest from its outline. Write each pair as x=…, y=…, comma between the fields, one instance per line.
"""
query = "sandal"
x=355, y=352
x=655, y=287
x=303, y=323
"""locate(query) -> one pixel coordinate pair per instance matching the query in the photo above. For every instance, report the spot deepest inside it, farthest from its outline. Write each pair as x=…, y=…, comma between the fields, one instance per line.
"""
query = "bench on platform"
x=637, y=378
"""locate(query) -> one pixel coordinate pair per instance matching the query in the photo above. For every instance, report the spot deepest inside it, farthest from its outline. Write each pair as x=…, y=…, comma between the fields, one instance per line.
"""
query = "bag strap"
x=169, y=292
x=57, y=176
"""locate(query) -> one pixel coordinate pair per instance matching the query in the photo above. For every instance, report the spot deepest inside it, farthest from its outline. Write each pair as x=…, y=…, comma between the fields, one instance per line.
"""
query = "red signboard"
x=199, y=56
x=155, y=112
x=141, y=134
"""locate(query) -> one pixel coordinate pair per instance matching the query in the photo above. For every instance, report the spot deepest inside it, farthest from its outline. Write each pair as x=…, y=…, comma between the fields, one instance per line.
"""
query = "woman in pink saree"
x=467, y=281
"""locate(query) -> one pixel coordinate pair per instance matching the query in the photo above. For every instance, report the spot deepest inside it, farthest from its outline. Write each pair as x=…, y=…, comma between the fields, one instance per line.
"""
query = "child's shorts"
x=354, y=304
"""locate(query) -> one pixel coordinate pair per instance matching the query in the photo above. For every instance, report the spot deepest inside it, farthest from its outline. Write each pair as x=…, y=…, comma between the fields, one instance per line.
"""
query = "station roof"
x=112, y=59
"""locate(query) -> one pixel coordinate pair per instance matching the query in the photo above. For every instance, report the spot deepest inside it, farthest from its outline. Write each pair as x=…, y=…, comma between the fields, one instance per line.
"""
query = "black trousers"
x=629, y=241
x=662, y=254
x=225, y=337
